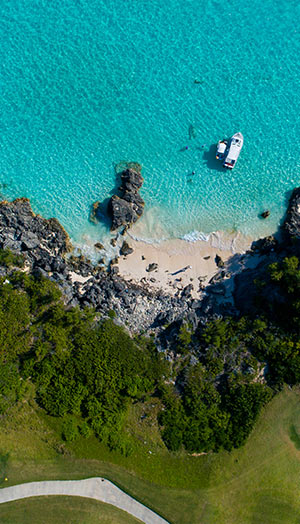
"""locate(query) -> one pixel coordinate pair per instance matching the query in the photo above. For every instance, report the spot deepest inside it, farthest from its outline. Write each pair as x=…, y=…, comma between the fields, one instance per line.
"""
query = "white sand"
x=179, y=263
x=75, y=277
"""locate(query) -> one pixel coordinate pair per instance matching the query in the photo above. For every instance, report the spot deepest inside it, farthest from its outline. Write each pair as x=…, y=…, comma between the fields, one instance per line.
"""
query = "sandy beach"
x=179, y=263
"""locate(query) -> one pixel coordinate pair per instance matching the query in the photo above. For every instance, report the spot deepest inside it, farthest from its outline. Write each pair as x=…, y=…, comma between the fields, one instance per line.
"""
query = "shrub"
x=70, y=430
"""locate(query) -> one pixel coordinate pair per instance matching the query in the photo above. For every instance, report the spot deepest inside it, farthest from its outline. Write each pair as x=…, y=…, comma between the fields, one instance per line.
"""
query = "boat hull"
x=235, y=147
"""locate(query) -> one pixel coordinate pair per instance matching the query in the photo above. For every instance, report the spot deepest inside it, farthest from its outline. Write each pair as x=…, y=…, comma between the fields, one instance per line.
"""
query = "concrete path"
x=94, y=488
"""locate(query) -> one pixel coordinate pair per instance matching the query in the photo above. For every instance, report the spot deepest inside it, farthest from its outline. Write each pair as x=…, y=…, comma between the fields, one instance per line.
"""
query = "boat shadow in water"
x=211, y=161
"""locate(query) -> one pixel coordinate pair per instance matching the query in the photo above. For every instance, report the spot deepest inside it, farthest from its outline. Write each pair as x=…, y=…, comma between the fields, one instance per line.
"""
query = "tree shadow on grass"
x=295, y=438
x=276, y=509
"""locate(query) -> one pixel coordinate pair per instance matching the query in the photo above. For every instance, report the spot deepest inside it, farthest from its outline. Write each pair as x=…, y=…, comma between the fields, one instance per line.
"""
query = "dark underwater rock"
x=265, y=214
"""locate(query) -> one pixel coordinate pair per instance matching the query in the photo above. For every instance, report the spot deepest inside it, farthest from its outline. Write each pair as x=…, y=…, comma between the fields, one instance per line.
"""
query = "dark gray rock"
x=29, y=240
x=132, y=180
x=265, y=245
x=40, y=272
x=126, y=249
x=219, y=261
x=136, y=200
x=122, y=212
x=13, y=245
x=164, y=318
x=98, y=245
x=152, y=267
x=187, y=290
x=125, y=210
x=119, y=285
x=292, y=221
x=218, y=289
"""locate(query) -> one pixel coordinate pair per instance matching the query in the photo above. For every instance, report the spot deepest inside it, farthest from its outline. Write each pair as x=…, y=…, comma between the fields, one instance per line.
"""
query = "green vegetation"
x=9, y=259
x=62, y=510
x=88, y=372
x=85, y=371
x=228, y=488
x=80, y=397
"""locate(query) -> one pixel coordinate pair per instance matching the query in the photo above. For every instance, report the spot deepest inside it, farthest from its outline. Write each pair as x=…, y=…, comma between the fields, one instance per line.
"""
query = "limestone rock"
x=131, y=180
x=122, y=212
x=29, y=240
x=126, y=249
x=126, y=210
x=292, y=221
x=219, y=261
x=152, y=267
x=265, y=245
x=98, y=245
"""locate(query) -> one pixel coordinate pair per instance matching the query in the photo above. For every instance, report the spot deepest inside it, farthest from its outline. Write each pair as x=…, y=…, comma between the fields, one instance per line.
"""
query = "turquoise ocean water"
x=86, y=85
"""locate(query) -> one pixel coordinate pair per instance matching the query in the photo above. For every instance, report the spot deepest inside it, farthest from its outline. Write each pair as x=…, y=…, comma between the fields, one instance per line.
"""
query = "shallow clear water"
x=88, y=84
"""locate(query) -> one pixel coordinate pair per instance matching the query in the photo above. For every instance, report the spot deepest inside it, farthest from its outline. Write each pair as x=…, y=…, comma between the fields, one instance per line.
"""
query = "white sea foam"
x=195, y=236
x=233, y=241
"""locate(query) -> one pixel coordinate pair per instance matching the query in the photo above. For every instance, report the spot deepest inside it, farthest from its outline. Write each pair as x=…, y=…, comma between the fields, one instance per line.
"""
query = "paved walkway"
x=94, y=488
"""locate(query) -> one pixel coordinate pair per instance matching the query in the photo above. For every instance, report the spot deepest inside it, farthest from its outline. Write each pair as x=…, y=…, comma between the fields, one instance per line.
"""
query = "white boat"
x=235, y=146
x=221, y=149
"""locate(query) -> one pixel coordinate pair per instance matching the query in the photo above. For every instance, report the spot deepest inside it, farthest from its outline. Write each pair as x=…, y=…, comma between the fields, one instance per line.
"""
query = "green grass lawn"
x=257, y=484
x=62, y=510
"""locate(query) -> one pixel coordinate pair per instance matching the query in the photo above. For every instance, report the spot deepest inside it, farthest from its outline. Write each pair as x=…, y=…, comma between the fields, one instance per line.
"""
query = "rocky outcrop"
x=99, y=246
x=265, y=245
x=46, y=249
x=23, y=231
x=219, y=262
x=126, y=249
x=152, y=267
x=291, y=224
x=128, y=208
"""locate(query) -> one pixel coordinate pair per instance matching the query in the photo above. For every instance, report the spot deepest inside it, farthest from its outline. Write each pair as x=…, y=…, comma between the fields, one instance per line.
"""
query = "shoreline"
x=187, y=280
x=179, y=263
